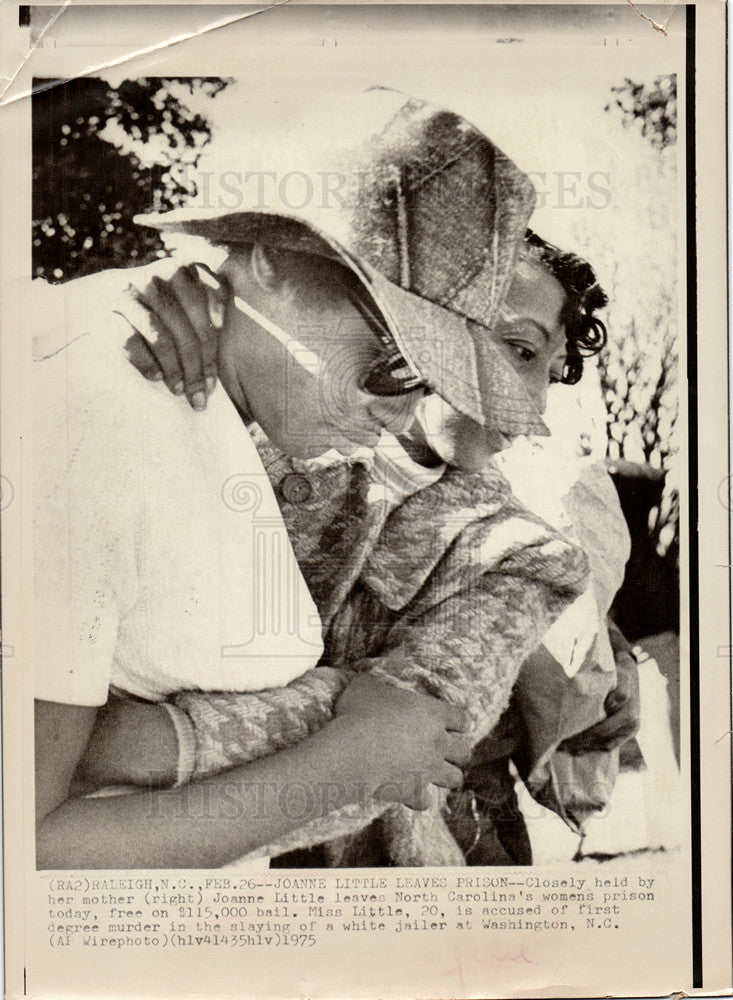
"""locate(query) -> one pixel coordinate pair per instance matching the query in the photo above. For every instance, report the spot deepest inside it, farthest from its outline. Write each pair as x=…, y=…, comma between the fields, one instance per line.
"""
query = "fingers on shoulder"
x=457, y=719
x=448, y=776
x=457, y=748
x=142, y=358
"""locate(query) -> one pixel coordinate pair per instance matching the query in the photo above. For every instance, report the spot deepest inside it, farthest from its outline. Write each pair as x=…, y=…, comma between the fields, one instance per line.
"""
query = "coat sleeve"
x=468, y=649
x=485, y=609
x=231, y=728
x=462, y=638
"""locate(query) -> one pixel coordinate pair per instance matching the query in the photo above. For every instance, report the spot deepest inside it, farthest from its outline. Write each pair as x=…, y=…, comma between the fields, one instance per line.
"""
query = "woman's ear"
x=264, y=267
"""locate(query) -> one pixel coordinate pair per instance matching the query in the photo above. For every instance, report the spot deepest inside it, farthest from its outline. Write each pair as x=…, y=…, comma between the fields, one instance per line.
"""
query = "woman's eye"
x=523, y=351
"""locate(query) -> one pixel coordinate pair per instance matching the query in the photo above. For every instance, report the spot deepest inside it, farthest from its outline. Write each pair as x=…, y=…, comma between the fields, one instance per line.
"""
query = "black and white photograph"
x=360, y=389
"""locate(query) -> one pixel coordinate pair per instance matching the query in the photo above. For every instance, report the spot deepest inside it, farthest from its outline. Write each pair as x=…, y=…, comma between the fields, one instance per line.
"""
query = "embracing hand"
x=622, y=704
x=406, y=741
x=176, y=323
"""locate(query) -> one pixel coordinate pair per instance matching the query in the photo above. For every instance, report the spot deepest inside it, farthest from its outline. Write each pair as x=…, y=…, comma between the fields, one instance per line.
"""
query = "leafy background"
x=87, y=187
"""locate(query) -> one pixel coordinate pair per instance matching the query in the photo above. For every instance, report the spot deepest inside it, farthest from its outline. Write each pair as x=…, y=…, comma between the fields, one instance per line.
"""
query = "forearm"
x=233, y=728
x=211, y=822
x=133, y=743
x=466, y=650
x=137, y=743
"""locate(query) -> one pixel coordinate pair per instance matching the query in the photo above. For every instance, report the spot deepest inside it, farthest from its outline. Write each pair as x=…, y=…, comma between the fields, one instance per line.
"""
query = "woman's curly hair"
x=586, y=334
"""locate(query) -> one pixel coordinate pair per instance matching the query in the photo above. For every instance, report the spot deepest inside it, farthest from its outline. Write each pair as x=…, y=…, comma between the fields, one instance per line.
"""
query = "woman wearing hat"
x=148, y=577
x=326, y=343
x=440, y=439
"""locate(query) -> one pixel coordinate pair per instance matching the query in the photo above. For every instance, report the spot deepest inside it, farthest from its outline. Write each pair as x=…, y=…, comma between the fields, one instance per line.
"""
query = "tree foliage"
x=640, y=367
x=651, y=109
x=89, y=178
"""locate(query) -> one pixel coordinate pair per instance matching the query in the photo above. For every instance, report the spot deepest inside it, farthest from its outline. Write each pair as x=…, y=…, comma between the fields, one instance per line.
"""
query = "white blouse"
x=161, y=559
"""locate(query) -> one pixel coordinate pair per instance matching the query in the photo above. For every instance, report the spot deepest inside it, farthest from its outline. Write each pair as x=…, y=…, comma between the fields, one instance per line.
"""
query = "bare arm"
x=358, y=755
x=131, y=743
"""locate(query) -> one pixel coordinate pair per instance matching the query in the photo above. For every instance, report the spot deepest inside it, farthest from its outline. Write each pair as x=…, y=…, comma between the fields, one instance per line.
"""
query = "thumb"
x=216, y=294
x=216, y=310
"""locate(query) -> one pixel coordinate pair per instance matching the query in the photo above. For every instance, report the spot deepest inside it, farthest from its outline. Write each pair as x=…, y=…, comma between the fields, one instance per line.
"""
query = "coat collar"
x=348, y=532
x=419, y=532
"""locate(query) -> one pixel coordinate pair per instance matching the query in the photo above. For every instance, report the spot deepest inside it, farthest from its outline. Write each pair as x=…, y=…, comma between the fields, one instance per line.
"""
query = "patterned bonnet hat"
x=431, y=217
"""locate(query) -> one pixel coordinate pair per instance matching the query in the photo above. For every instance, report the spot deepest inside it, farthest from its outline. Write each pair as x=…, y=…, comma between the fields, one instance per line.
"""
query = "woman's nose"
x=538, y=390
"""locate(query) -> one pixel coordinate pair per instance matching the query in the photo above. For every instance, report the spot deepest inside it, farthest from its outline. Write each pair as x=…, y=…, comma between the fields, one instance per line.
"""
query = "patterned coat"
x=446, y=593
